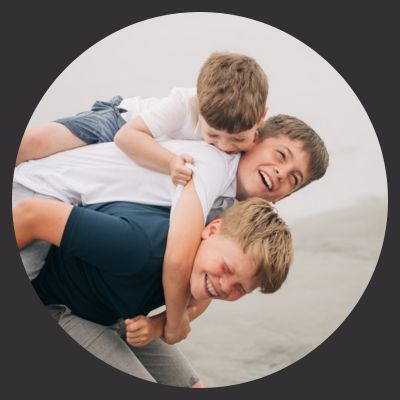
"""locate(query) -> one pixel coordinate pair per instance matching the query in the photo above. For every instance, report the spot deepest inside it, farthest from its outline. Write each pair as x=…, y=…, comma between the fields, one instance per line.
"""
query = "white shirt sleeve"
x=213, y=173
x=168, y=117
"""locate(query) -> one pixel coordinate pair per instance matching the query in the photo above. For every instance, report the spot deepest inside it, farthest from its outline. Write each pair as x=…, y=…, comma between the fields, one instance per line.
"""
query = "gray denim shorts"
x=98, y=125
x=157, y=362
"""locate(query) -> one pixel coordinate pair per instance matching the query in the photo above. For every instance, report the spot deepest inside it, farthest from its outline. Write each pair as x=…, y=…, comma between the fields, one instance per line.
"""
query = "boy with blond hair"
x=249, y=247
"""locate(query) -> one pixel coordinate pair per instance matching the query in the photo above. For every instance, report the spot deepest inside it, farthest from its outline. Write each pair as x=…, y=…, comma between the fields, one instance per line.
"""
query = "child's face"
x=221, y=270
x=231, y=143
x=273, y=169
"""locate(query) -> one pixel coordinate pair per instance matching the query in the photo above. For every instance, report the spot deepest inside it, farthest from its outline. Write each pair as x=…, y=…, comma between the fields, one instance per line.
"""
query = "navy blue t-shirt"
x=109, y=263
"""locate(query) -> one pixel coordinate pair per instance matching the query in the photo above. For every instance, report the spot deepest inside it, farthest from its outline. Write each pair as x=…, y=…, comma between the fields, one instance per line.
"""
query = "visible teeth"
x=266, y=180
x=210, y=288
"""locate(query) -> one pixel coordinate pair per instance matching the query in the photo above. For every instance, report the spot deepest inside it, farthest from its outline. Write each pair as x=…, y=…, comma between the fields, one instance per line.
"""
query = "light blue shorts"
x=98, y=125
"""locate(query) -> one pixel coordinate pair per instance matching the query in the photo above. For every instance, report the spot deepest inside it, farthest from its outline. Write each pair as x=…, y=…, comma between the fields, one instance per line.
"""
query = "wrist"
x=171, y=160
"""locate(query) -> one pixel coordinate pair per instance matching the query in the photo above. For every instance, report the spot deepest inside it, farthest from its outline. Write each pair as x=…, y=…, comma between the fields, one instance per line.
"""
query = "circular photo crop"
x=163, y=123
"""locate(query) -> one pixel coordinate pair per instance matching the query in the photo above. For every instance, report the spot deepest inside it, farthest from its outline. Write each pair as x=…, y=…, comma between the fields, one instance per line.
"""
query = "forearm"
x=194, y=308
x=40, y=219
x=176, y=279
x=143, y=148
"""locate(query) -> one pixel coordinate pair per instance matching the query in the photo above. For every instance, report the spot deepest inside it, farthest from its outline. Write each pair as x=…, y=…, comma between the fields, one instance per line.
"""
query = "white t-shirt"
x=176, y=116
x=103, y=173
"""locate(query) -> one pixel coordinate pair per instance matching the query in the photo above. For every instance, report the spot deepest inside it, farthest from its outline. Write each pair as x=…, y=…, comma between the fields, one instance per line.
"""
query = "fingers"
x=187, y=158
x=183, y=171
x=181, y=178
x=180, y=181
x=138, y=331
x=179, y=170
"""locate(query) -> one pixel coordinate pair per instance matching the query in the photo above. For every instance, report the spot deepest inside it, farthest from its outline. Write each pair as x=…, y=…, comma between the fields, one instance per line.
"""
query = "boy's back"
x=175, y=116
x=106, y=267
x=102, y=173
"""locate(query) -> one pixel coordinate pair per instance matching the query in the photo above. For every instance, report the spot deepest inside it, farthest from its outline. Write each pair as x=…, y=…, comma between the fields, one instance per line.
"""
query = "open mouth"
x=210, y=288
x=266, y=180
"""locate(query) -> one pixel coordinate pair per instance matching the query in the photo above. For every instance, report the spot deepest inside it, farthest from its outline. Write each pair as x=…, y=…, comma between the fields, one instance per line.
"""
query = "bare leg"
x=43, y=140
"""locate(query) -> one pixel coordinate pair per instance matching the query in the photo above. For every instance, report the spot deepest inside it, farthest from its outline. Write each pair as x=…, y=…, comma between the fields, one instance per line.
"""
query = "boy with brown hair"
x=225, y=111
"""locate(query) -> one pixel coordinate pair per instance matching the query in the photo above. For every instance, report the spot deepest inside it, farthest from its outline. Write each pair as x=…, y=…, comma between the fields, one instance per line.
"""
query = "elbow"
x=24, y=219
x=175, y=268
x=24, y=210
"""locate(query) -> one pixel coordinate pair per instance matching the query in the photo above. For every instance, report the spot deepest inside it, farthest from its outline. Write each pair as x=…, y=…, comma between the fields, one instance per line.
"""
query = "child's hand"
x=175, y=335
x=179, y=172
x=140, y=331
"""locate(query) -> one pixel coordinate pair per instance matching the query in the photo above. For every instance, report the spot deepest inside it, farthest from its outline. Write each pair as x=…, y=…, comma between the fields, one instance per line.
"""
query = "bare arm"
x=40, y=219
x=184, y=237
x=136, y=141
x=142, y=330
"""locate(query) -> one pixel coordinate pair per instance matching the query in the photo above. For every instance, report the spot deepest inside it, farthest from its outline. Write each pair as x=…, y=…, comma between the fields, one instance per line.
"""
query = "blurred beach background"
x=260, y=334
x=338, y=223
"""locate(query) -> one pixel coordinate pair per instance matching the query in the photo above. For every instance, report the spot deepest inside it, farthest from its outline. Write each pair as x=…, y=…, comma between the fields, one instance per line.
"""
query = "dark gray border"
x=38, y=359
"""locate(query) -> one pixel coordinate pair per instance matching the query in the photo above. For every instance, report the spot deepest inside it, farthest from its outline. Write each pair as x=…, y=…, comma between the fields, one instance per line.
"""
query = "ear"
x=264, y=114
x=256, y=136
x=211, y=229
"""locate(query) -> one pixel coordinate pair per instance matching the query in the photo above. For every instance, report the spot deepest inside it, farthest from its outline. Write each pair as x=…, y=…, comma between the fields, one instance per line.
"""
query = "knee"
x=33, y=139
x=198, y=385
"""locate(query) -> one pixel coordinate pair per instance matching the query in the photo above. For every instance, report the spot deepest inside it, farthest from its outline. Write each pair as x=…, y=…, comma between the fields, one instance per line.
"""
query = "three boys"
x=227, y=114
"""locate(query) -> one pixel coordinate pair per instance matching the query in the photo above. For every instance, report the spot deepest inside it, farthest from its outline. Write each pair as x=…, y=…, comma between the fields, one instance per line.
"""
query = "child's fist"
x=140, y=331
x=179, y=171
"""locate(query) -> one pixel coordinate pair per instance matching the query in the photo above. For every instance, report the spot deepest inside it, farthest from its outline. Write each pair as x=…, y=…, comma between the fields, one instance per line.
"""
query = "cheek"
x=244, y=146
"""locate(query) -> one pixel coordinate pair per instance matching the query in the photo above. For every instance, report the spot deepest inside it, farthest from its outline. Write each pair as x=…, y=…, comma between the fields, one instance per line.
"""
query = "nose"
x=281, y=173
x=227, y=146
x=228, y=285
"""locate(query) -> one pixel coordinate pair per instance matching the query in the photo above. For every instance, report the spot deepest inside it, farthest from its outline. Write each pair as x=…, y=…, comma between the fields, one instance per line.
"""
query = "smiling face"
x=231, y=143
x=221, y=270
x=272, y=169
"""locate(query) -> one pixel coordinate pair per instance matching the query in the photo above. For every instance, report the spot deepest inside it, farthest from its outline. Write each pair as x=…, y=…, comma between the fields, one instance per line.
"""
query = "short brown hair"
x=232, y=91
x=296, y=129
x=259, y=230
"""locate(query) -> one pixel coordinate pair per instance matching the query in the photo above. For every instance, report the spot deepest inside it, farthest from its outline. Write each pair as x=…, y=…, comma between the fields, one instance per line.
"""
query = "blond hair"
x=260, y=232
x=232, y=91
x=296, y=129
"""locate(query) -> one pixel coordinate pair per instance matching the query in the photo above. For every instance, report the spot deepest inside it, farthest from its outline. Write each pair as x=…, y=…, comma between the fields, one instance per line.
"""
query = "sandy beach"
x=335, y=256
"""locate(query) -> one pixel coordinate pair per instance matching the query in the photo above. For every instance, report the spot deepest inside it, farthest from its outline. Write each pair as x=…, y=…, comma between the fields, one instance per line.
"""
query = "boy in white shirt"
x=226, y=110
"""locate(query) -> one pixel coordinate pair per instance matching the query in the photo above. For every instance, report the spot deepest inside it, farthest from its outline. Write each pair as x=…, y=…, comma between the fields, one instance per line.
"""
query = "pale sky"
x=153, y=56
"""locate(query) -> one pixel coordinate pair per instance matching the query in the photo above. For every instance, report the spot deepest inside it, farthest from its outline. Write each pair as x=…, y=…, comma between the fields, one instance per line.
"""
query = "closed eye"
x=227, y=269
x=298, y=179
x=282, y=155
